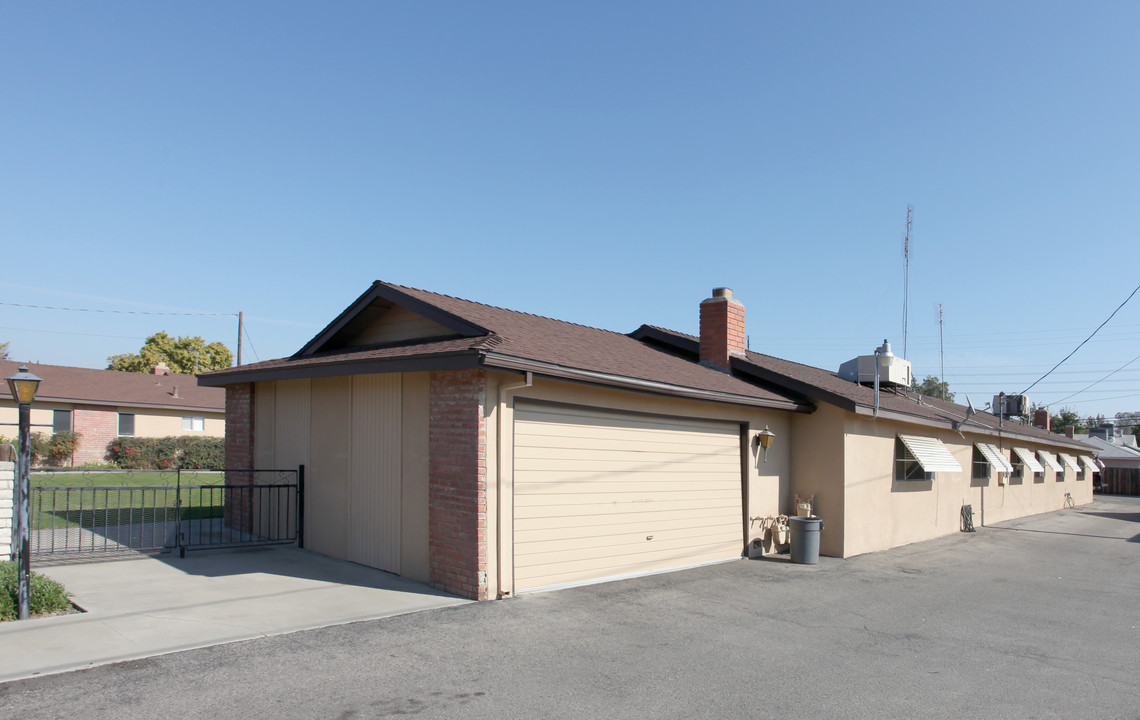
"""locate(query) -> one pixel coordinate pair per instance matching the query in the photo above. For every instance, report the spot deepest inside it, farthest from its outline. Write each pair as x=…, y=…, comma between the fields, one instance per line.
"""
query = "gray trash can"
x=804, y=533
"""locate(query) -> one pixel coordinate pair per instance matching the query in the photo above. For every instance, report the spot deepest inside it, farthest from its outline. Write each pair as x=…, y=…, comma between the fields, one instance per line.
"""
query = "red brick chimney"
x=722, y=329
x=161, y=369
x=1041, y=418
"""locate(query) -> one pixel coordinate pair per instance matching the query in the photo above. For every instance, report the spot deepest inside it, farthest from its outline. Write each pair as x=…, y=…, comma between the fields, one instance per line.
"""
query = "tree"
x=187, y=355
x=3, y=351
x=1067, y=418
x=931, y=386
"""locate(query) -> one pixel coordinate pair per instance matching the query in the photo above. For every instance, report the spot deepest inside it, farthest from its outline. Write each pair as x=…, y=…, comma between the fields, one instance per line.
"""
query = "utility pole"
x=240, y=318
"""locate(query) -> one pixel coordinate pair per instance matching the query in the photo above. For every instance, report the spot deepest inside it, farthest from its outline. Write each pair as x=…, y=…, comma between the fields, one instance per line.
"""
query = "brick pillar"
x=457, y=492
x=722, y=329
x=239, y=454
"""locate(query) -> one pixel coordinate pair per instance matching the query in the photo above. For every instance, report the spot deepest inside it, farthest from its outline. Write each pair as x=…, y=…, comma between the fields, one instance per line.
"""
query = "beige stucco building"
x=102, y=405
x=491, y=452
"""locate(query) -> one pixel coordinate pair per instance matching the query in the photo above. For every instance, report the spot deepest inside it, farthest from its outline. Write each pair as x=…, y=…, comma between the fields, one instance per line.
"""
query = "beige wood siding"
x=600, y=494
x=398, y=324
x=374, y=509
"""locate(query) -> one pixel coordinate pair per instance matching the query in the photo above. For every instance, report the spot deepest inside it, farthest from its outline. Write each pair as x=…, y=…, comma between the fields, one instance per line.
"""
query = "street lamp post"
x=23, y=386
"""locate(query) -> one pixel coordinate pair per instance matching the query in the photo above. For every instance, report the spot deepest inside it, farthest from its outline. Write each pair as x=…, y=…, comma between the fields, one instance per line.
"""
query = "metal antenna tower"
x=941, y=353
x=906, y=271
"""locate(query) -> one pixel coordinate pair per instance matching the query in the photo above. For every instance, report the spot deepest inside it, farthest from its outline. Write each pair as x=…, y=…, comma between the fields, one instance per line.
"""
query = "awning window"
x=1090, y=464
x=1026, y=456
x=1070, y=461
x=995, y=457
x=1050, y=460
x=930, y=453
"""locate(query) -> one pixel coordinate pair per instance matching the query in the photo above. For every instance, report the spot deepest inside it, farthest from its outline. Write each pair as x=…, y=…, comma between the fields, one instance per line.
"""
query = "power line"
x=119, y=312
x=1090, y=337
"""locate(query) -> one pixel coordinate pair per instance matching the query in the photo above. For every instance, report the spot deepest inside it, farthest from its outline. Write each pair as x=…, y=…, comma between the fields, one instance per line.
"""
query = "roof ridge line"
x=501, y=308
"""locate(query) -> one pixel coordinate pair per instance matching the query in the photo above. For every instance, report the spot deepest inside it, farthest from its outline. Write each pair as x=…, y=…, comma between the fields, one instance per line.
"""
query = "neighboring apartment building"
x=1119, y=455
x=102, y=405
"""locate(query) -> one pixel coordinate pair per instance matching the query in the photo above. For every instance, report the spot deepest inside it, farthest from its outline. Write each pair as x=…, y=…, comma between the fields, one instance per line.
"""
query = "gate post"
x=301, y=506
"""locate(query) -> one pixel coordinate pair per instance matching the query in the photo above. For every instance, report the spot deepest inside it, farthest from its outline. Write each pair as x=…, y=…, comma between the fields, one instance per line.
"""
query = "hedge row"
x=185, y=452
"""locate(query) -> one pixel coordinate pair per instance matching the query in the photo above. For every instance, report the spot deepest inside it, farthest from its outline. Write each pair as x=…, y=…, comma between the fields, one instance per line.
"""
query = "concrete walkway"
x=149, y=606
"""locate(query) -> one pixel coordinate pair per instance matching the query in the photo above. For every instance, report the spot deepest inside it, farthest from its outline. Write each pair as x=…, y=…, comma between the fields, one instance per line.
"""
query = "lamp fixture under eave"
x=764, y=438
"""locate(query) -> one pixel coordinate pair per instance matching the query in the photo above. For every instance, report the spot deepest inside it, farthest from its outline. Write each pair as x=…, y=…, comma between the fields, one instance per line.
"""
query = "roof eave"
x=456, y=360
x=561, y=372
x=383, y=291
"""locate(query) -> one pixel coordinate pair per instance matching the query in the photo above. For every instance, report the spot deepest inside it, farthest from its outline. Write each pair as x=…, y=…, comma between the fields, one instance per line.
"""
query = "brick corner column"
x=457, y=478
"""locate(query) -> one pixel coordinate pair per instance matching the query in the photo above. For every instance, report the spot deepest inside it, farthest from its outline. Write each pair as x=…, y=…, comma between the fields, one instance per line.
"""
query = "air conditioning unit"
x=892, y=370
x=1006, y=406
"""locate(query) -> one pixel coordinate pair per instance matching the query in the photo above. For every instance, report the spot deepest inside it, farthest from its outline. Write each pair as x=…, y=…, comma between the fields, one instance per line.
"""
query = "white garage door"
x=603, y=495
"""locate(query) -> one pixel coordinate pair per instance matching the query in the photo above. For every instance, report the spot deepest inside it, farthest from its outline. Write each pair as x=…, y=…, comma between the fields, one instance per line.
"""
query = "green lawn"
x=96, y=499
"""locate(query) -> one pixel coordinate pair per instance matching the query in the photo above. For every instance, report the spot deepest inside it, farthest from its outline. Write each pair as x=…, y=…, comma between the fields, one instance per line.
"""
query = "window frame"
x=123, y=417
x=55, y=423
x=907, y=466
x=188, y=422
x=979, y=459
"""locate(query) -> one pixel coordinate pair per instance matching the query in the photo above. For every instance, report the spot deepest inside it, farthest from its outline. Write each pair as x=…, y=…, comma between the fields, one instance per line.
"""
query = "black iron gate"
x=81, y=513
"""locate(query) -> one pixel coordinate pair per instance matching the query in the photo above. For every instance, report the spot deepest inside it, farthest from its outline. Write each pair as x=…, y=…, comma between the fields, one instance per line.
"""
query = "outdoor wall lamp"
x=23, y=386
x=764, y=438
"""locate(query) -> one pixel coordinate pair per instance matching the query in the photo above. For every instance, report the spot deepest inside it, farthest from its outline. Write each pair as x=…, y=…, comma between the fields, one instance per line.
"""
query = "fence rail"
x=84, y=513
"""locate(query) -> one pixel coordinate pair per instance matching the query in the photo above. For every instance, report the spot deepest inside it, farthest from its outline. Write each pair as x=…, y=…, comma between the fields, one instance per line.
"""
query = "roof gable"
x=385, y=315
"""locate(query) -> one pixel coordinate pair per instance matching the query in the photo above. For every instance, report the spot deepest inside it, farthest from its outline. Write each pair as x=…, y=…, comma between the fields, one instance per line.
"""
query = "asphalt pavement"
x=1034, y=618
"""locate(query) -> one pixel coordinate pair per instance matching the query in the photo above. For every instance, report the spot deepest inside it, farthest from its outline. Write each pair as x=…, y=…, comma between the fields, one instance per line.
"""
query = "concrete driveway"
x=148, y=606
x=1034, y=618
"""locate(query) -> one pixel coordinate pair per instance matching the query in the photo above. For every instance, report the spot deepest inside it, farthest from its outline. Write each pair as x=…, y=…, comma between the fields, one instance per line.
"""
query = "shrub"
x=53, y=450
x=168, y=453
x=46, y=596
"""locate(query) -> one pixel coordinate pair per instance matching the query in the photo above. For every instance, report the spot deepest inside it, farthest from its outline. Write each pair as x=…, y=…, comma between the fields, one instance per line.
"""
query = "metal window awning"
x=1026, y=456
x=930, y=453
x=1089, y=464
x=995, y=457
x=1070, y=461
x=1050, y=460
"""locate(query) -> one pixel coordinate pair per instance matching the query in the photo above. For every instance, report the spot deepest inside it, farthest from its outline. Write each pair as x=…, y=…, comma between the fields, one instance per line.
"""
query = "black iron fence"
x=79, y=513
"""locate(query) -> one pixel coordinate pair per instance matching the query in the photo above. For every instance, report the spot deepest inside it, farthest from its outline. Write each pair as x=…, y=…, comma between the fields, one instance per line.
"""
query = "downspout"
x=503, y=390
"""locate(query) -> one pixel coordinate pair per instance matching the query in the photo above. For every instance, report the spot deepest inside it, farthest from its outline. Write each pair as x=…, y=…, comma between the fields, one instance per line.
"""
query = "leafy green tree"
x=931, y=386
x=1067, y=418
x=3, y=351
x=186, y=355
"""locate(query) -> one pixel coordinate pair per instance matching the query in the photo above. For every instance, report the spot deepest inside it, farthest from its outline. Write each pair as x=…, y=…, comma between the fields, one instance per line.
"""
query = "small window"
x=982, y=467
x=907, y=466
x=194, y=424
x=61, y=421
x=1018, y=468
x=126, y=424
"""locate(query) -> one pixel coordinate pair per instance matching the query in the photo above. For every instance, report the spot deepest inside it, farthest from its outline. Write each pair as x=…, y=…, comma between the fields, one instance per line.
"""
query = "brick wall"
x=457, y=493
x=239, y=454
x=97, y=426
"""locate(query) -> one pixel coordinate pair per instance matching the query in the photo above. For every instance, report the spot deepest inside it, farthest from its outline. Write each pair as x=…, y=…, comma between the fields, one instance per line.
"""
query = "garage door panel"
x=542, y=518
x=631, y=563
x=554, y=445
x=542, y=540
x=591, y=487
x=624, y=490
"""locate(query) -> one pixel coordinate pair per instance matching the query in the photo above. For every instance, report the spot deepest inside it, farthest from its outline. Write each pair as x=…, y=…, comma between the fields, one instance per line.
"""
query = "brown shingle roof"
x=111, y=387
x=826, y=386
x=510, y=338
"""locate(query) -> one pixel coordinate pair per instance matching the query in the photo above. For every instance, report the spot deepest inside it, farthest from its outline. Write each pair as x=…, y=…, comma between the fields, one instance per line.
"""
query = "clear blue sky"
x=599, y=164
